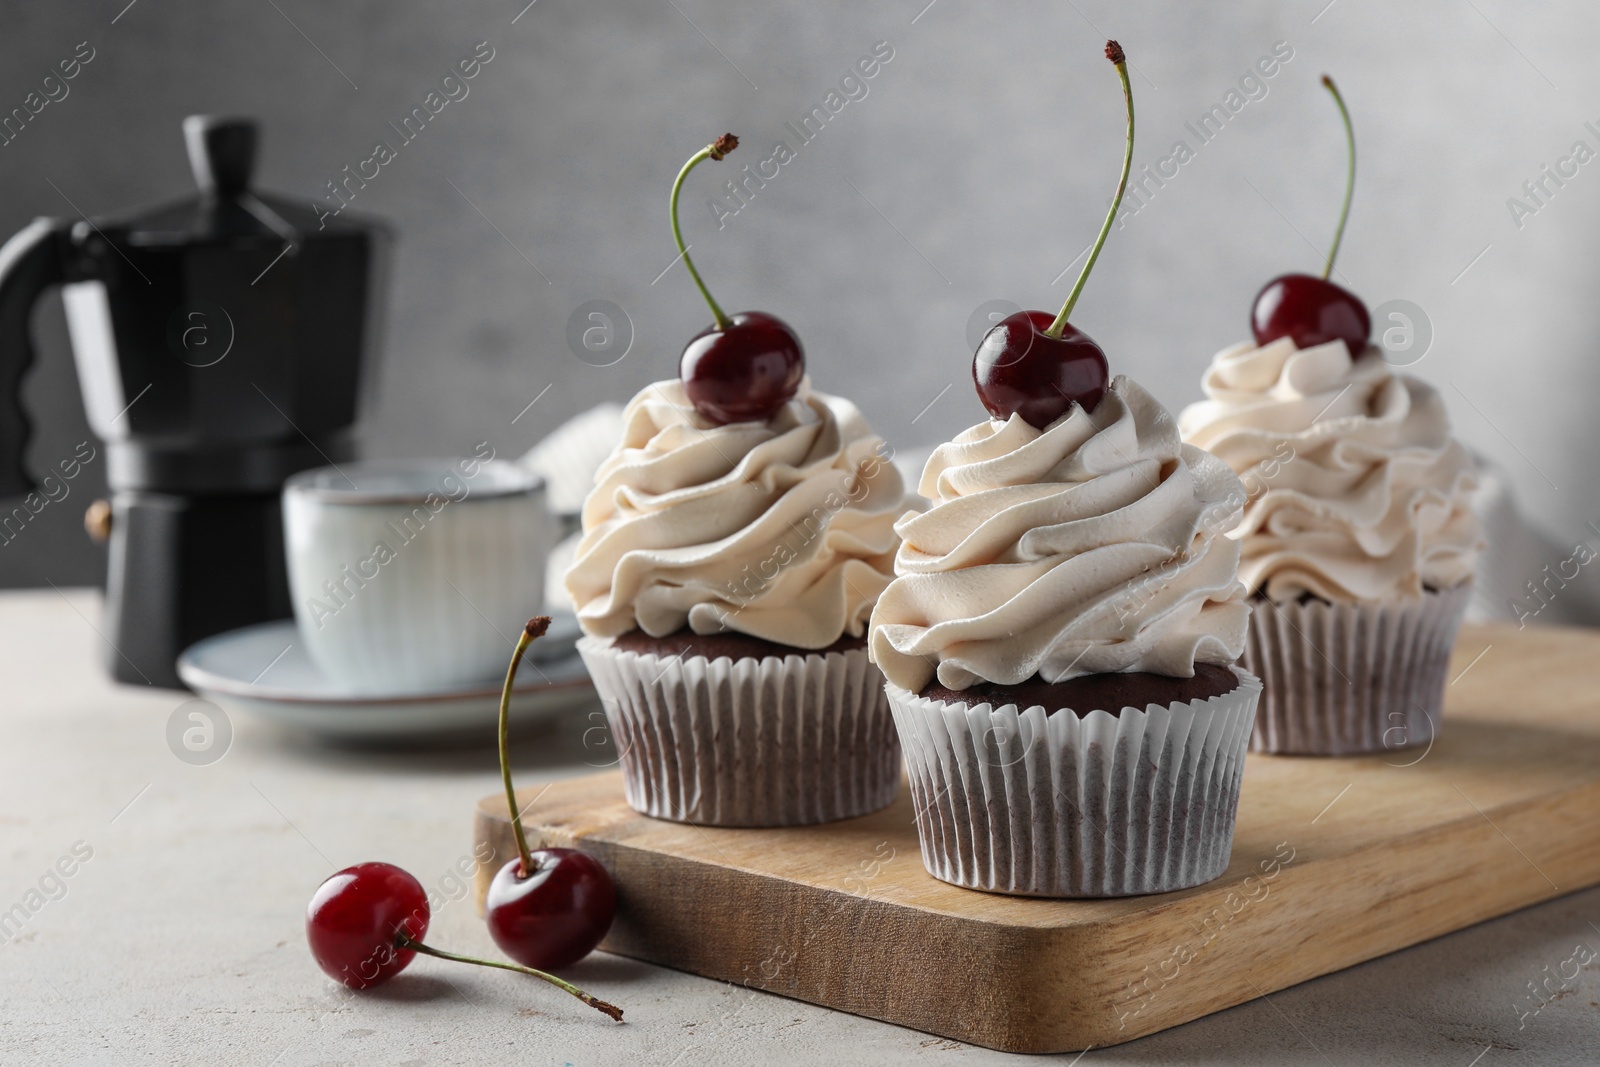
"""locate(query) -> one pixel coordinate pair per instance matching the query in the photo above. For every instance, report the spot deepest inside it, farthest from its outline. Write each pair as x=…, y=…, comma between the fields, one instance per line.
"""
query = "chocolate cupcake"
x=1060, y=635
x=1358, y=540
x=733, y=546
x=1059, y=647
x=724, y=580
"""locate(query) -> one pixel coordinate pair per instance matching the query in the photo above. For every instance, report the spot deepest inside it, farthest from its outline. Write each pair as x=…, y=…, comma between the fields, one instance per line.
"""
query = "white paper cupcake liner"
x=1021, y=801
x=1345, y=679
x=772, y=741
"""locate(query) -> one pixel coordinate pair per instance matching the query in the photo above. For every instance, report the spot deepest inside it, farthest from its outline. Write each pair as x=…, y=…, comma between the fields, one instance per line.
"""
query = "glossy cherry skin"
x=555, y=918
x=1310, y=312
x=745, y=372
x=1020, y=371
x=353, y=917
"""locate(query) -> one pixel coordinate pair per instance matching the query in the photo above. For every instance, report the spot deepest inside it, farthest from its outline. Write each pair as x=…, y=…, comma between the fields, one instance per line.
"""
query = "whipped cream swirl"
x=782, y=530
x=1095, y=545
x=1357, y=492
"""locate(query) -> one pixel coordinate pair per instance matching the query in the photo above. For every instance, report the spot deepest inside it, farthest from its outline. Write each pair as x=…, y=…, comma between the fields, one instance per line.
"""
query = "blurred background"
x=974, y=165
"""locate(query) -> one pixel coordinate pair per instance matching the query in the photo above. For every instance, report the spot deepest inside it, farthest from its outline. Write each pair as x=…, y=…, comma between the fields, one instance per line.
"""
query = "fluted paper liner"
x=1022, y=801
x=1345, y=679
x=770, y=741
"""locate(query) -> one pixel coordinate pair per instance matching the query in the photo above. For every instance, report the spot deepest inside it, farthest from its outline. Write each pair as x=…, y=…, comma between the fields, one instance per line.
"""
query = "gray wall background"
x=976, y=168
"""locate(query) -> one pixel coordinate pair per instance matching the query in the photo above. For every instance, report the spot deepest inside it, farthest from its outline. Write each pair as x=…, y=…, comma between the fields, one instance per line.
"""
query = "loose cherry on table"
x=745, y=366
x=557, y=915
x=1313, y=311
x=546, y=908
x=356, y=917
x=1039, y=365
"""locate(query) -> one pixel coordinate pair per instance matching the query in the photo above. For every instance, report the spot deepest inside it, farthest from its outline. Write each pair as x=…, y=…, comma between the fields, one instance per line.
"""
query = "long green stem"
x=405, y=940
x=1115, y=54
x=714, y=151
x=1349, y=178
x=530, y=633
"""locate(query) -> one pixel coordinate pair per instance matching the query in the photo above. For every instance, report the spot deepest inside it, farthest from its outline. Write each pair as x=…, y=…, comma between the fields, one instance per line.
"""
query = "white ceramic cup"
x=415, y=575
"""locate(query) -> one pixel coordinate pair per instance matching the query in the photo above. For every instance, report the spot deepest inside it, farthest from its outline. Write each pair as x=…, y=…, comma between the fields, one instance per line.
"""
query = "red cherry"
x=745, y=371
x=743, y=367
x=1038, y=365
x=1310, y=311
x=354, y=916
x=556, y=917
x=1313, y=311
x=1021, y=370
x=546, y=908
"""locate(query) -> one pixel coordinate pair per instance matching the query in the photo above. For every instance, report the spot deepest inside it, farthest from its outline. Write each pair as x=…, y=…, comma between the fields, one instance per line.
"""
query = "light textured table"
x=181, y=939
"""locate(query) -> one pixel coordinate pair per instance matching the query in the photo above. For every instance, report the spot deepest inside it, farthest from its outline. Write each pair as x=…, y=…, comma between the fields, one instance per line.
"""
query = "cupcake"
x=1060, y=637
x=732, y=549
x=1358, y=536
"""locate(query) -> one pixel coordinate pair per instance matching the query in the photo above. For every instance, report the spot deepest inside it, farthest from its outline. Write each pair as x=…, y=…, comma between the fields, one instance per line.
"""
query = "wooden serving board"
x=1335, y=861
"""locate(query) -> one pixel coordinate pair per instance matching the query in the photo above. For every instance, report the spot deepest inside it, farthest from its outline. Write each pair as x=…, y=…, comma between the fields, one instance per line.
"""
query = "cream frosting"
x=782, y=529
x=1357, y=492
x=1095, y=545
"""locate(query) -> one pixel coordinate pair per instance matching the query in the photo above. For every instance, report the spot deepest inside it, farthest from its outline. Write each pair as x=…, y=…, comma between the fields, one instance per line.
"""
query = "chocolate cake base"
x=731, y=645
x=1096, y=692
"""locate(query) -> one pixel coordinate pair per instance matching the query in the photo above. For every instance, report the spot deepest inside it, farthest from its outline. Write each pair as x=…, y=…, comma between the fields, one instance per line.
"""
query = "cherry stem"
x=714, y=151
x=1350, y=175
x=534, y=630
x=1120, y=61
x=405, y=940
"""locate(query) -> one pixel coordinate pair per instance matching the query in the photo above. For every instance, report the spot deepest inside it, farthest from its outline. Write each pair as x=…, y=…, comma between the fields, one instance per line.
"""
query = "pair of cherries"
x=546, y=908
x=1037, y=366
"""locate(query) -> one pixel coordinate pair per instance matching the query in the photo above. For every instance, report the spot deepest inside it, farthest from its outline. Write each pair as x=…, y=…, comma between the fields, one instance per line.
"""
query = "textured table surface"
x=180, y=938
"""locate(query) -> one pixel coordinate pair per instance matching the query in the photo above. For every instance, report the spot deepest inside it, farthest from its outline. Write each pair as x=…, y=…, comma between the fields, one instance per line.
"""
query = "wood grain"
x=1335, y=861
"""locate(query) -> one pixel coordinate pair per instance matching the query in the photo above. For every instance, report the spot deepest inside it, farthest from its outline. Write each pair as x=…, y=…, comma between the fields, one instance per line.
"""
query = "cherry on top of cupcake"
x=1313, y=311
x=1038, y=365
x=746, y=366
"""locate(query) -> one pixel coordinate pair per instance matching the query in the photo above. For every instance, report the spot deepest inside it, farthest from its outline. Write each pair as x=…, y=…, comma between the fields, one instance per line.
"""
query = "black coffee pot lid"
x=222, y=153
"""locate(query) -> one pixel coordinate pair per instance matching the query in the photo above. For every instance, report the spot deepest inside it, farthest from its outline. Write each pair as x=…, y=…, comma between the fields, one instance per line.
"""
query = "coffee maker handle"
x=30, y=263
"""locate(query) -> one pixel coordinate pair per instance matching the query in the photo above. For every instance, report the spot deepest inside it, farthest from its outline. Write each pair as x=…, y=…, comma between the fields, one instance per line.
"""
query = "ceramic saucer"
x=263, y=670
